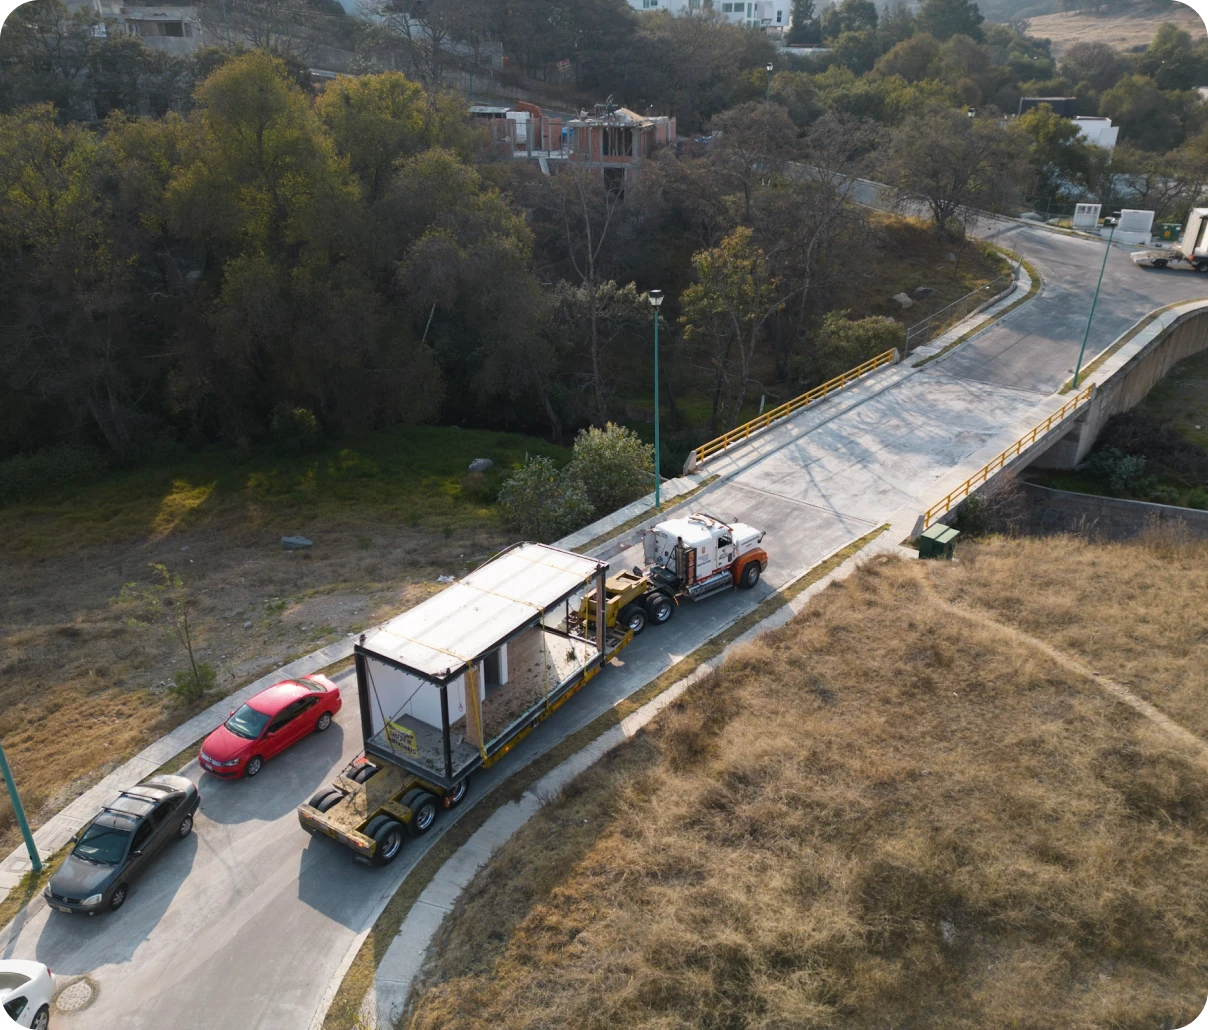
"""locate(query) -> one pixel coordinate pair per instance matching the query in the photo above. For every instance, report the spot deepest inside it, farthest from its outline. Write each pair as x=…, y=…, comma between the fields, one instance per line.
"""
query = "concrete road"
x=246, y=922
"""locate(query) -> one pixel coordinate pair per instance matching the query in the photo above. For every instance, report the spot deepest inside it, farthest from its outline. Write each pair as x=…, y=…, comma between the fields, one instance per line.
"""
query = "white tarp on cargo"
x=470, y=618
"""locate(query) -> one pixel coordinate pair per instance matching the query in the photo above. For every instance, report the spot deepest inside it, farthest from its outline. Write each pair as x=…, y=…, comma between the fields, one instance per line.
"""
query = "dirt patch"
x=877, y=809
x=78, y=683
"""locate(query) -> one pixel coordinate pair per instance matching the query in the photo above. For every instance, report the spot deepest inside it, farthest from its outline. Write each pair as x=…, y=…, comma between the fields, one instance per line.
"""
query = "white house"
x=1098, y=131
x=175, y=29
x=760, y=14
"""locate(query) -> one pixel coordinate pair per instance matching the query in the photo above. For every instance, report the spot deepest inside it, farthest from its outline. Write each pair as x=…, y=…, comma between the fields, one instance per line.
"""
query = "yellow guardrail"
x=706, y=451
x=1017, y=448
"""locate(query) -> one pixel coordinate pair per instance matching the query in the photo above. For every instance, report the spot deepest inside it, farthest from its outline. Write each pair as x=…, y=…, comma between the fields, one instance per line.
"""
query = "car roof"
x=276, y=697
x=137, y=801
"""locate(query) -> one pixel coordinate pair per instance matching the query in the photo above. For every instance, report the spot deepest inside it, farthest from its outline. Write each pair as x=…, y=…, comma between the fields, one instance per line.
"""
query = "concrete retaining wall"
x=1154, y=352
x=1059, y=511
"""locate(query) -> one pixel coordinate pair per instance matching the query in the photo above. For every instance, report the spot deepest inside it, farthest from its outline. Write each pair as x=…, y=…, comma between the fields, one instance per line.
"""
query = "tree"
x=165, y=605
x=843, y=343
x=1146, y=116
x=543, y=503
x=586, y=211
x=1172, y=61
x=724, y=313
x=848, y=16
x=1097, y=64
x=374, y=120
x=1059, y=154
x=914, y=59
x=751, y=142
x=944, y=19
x=952, y=164
x=804, y=27
x=614, y=466
x=46, y=52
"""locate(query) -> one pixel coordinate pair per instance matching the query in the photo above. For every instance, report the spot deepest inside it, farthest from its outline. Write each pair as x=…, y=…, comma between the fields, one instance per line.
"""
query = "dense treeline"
x=188, y=245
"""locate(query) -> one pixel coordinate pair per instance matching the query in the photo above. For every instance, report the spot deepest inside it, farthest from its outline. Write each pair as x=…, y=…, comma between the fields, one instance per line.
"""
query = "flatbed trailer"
x=454, y=684
x=1192, y=250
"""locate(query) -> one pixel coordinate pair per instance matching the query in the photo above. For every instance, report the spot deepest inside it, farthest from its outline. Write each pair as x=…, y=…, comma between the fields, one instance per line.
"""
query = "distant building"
x=1098, y=131
x=760, y=14
x=1067, y=107
x=809, y=50
x=612, y=142
x=175, y=29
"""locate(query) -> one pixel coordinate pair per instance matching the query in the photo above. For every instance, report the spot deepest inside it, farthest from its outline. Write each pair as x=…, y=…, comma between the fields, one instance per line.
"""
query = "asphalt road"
x=246, y=922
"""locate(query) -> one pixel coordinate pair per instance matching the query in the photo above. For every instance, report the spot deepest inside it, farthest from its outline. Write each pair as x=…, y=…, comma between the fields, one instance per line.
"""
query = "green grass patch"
x=31, y=885
x=413, y=475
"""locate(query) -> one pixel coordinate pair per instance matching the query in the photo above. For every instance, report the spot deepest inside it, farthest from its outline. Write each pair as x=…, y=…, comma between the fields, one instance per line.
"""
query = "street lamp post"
x=1102, y=268
x=768, y=99
x=19, y=812
x=656, y=301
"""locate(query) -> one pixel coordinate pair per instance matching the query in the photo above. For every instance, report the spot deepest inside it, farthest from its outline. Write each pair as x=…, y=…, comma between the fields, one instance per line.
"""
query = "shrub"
x=542, y=503
x=1119, y=472
x=25, y=477
x=1197, y=497
x=189, y=686
x=614, y=466
x=844, y=344
x=1164, y=495
x=295, y=429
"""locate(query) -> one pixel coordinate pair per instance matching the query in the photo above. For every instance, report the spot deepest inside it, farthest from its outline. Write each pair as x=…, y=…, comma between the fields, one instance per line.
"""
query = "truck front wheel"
x=633, y=617
x=660, y=608
x=1201, y=266
x=750, y=575
x=389, y=841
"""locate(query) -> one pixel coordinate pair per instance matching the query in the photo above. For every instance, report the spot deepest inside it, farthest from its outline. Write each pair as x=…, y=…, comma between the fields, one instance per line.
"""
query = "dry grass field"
x=1123, y=31
x=893, y=812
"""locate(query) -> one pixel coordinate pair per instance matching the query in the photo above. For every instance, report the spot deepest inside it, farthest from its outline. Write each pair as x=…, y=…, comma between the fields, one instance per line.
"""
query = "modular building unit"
x=453, y=683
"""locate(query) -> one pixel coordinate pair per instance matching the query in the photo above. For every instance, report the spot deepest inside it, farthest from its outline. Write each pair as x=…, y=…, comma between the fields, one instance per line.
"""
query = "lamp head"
x=656, y=298
x=769, y=67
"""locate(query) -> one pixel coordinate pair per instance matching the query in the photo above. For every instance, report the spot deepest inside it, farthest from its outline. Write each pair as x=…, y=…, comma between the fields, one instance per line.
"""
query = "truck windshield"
x=247, y=722
x=103, y=844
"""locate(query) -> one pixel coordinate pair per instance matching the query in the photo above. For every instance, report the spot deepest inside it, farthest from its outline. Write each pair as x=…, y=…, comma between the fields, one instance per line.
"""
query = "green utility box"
x=938, y=541
x=1168, y=232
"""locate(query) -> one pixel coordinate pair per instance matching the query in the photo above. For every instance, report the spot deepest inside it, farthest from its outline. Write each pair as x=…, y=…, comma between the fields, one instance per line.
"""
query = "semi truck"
x=1192, y=250
x=455, y=683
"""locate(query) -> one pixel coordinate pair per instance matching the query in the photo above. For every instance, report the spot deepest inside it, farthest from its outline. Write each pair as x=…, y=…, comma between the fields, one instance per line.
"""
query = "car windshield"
x=247, y=722
x=103, y=844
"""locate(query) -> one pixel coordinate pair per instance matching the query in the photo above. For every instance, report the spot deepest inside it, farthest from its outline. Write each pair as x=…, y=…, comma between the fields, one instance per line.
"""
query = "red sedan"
x=268, y=724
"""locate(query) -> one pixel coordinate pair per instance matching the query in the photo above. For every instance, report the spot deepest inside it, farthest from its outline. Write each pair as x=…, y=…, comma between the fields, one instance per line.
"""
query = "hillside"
x=1124, y=31
x=910, y=807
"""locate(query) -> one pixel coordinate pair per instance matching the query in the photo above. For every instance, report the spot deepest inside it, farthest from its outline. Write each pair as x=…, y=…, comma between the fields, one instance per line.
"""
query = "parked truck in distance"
x=1192, y=250
x=452, y=685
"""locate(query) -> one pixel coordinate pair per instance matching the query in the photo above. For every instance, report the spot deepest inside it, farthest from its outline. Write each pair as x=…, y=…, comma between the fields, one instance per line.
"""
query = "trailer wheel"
x=332, y=799
x=750, y=575
x=1159, y=262
x=659, y=607
x=423, y=814
x=458, y=794
x=320, y=796
x=375, y=824
x=364, y=772
x=389, y=841
x=633, y=617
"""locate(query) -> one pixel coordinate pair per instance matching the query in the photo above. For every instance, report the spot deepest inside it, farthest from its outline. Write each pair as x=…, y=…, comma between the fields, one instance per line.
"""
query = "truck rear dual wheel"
x=325, y=799
x=423, y=811
x=633, y=617
x=387, y=834
x=659, y=607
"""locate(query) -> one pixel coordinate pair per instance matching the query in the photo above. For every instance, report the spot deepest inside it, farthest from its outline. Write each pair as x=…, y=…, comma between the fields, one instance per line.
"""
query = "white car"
x=25, y=992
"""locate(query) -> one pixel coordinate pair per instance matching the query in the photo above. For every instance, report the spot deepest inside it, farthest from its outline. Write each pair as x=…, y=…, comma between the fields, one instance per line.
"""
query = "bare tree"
x=422, y=29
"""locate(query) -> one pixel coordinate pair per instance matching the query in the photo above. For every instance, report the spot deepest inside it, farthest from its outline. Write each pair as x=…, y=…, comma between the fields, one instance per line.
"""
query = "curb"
x=58, y=830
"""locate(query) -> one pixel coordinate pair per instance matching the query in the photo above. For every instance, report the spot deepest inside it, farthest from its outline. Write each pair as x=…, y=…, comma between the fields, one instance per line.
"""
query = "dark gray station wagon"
x=120, y=841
